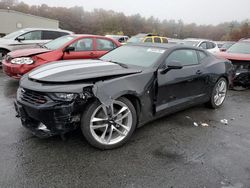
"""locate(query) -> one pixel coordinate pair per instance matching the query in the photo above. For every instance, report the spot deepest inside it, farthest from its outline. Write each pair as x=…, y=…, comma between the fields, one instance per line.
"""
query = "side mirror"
x=69, y=49
x=170, y=66
x=20, y=38
x=223, y=49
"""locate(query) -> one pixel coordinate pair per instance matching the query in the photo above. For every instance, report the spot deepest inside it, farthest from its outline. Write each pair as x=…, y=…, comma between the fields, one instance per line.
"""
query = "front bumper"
x=16, y=71
x=48, y=120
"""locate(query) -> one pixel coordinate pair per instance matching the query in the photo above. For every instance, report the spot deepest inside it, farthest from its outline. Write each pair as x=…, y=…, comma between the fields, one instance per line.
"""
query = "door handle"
x=92, y=54
x=199, y=72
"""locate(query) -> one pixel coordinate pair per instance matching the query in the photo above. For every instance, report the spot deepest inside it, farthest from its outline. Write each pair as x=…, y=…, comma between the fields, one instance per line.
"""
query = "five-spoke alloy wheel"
x=109, y=127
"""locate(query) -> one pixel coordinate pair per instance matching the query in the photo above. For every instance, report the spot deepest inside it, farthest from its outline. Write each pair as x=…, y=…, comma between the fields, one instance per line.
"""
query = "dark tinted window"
x=104, y=45
x=185, y=57
x=157, y=40
x=50, y=35
x=148, y=40
x=210, y=45
x=33, y=35
x=213, y=45
x=85, y=44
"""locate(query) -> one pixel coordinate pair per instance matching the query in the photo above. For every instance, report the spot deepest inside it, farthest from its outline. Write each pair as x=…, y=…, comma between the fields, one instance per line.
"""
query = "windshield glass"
x=134, y=55
x=15, y=34
x=59, y=42
x=240, y=47
x=190, y=43
x=134, y=40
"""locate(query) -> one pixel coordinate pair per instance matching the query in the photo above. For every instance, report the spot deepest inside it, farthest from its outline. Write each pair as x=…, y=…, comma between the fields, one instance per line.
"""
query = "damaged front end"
x=242, y=74
x=47, y=114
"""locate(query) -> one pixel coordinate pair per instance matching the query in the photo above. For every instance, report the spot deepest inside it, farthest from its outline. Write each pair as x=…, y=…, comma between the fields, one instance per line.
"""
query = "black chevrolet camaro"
x=124, y=89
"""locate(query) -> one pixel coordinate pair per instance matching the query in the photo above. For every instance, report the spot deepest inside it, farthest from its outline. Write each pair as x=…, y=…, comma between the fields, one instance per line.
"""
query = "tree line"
x=101, y=22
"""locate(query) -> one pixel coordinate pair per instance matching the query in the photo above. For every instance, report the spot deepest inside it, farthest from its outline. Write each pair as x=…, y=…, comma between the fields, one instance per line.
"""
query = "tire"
x=218, y=94
x=97, y=125
x=2, y=54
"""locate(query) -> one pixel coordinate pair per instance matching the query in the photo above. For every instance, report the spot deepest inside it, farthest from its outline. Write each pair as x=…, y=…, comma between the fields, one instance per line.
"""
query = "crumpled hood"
x=68, y=71
x=28, y=52
x=234, y=56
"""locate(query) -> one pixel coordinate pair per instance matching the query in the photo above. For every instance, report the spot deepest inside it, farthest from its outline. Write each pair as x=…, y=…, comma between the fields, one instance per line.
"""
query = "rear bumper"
x=46, y=121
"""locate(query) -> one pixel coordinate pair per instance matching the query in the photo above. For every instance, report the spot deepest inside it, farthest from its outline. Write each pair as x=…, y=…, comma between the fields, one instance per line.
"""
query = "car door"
x=103, y=46
x=185, y=85
x=83, y=49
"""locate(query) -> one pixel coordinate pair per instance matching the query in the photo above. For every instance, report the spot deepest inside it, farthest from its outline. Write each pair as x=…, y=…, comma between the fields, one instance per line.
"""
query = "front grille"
x=32, y=97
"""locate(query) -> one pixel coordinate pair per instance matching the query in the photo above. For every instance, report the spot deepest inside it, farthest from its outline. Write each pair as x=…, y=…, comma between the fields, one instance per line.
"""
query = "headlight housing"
x=22, y=60
x=68, y=97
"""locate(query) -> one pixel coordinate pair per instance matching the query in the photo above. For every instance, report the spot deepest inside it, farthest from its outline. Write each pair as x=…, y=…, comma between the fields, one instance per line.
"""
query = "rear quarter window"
x=201, y=55
x=50, y=35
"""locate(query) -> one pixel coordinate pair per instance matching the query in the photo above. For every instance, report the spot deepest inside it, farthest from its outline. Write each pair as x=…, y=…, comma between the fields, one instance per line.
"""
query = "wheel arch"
x=135, y=101
x=3, y=48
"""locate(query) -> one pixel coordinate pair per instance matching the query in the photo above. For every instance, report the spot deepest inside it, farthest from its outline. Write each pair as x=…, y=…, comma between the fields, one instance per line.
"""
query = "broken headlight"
x=63, y=96
x=22, y=60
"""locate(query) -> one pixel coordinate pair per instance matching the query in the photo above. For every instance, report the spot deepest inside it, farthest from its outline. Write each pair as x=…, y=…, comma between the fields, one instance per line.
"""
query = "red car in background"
x=19, y=62
x=239, y=55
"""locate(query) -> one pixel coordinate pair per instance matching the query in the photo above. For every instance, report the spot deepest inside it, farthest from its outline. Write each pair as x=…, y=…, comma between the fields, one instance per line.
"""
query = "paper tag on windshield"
x=154, y=50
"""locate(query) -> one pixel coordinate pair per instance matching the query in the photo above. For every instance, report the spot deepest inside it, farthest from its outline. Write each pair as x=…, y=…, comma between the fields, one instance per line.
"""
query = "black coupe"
x=124, y=89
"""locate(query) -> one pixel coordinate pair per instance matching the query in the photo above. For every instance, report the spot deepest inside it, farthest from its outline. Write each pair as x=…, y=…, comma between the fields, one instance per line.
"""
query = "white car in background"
x=120, y=38
x=208, y=45
x=28, y=38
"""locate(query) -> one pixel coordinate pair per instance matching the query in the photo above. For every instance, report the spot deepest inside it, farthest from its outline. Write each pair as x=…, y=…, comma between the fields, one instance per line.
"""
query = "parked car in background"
x=126, y=88
x=239, y=55
x=202, y=43
x=147, y=38
x=120, y=38
x=226, y=45
x=28, y=38
x=19, y=62
x=220, y=43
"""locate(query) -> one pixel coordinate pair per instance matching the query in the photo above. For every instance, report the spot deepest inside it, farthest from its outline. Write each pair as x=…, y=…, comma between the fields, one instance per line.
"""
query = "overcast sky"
x=198, y=11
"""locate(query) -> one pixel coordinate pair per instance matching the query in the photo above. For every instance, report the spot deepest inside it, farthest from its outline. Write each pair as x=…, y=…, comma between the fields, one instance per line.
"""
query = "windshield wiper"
x=121, y=64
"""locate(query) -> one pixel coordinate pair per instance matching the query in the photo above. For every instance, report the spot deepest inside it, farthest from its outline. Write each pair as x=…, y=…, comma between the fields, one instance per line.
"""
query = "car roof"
x=89, y=35
x=163, y=45
x=197, y=39
x=46, y=29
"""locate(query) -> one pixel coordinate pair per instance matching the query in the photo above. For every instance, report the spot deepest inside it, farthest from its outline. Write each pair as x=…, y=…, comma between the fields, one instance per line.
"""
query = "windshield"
x=240, y=47
x=190, y=43
x=134, y=55
x=59, y=42
x=227, y=45
x=15, y=34
x=134, y=40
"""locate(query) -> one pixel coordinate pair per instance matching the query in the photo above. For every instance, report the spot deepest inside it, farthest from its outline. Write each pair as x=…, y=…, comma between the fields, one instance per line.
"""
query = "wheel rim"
x=220, y=94
x=111, y=126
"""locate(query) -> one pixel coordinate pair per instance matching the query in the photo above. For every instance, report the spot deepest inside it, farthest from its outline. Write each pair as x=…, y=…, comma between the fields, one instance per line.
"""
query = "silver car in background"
x=205, y=44
x=28, y=38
